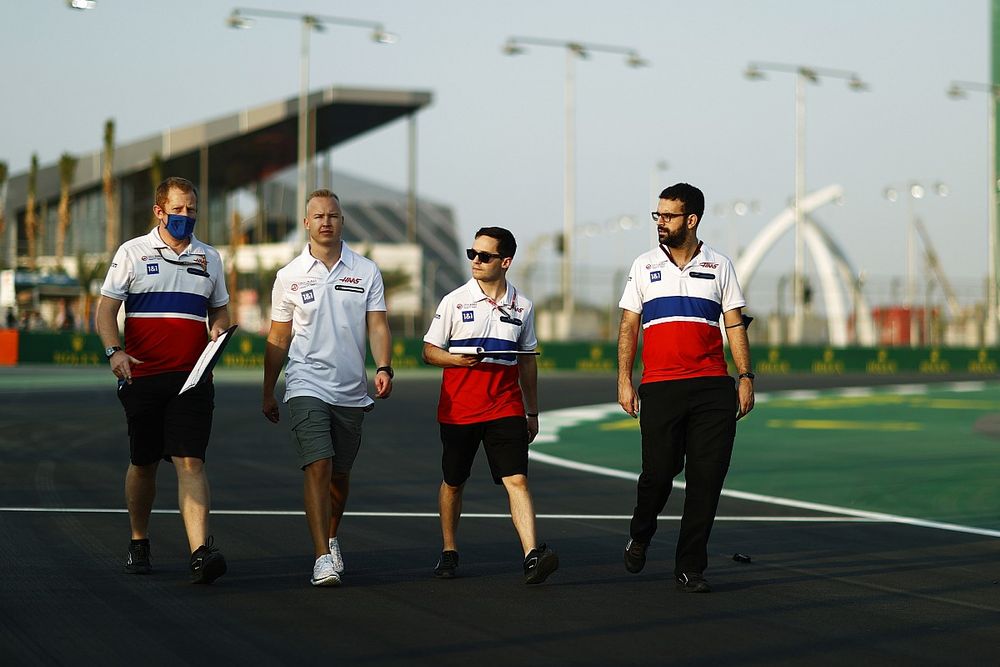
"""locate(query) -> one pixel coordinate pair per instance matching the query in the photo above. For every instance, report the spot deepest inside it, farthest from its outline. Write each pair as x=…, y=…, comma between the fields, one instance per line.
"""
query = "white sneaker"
x=336, y=556
x=324, y=573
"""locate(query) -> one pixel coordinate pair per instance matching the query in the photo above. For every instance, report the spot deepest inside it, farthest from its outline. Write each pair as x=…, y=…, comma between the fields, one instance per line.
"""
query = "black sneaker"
x=539, y=564
x=635, y=556
x=447, y=566
x=692, y=582
x=137, y=561
x=207, y=564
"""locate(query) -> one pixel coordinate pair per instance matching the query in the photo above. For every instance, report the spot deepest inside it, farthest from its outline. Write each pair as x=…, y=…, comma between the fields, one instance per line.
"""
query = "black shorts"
x=162, y=423
x=505, y=441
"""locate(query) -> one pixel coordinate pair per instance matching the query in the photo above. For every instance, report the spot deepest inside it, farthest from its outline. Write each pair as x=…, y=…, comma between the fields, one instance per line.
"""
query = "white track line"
x=563, y=418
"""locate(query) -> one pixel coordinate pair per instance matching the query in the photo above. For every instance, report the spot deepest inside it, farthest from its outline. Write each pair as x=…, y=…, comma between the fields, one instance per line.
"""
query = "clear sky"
x=491, y=145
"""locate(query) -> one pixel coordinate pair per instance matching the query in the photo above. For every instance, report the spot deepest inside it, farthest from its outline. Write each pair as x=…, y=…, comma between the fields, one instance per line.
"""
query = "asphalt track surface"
x=817, y=592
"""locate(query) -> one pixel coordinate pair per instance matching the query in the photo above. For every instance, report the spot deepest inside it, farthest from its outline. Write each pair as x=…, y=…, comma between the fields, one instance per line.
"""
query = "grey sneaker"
x=336, y=556
x=324, y=574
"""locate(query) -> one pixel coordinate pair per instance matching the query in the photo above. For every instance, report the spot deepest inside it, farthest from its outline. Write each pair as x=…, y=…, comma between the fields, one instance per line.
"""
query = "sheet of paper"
x=205, y=363
x=459, y=349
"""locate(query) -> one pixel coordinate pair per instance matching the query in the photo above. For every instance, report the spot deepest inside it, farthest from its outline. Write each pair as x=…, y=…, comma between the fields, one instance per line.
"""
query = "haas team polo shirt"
x=681, y=308
x=328, y=310
x=489, y=390
x=167, y=297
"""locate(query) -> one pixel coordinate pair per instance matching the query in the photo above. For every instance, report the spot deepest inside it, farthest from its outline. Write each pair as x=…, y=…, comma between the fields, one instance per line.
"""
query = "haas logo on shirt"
x=468, y=316
x=349, y=279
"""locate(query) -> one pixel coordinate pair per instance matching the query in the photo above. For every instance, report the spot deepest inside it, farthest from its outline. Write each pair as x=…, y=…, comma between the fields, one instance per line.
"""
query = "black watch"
x=749, y=376
x=110, y=352
x=387, y=369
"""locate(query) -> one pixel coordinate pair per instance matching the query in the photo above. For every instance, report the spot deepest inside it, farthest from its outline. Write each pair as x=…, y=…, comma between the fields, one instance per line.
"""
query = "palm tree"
x=30, y=217
x=111, y=209
x=88, y=272
x=155, y=176
x=3, y=206
x=67, y=172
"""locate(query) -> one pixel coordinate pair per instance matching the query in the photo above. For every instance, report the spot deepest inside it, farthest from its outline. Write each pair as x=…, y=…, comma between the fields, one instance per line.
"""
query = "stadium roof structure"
x=223, y=154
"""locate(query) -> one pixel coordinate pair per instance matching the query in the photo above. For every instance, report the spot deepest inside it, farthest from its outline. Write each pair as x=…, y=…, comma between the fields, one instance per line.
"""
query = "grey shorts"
x=324, y=431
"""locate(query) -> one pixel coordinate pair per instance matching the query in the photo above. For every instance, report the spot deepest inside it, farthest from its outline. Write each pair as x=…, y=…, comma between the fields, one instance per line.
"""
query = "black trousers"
x=686, y=425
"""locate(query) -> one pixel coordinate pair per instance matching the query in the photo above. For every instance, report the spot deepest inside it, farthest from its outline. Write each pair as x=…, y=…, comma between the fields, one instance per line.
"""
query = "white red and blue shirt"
x=328, y=309
x=167, y=298
x=489, y=390
x=681, y=308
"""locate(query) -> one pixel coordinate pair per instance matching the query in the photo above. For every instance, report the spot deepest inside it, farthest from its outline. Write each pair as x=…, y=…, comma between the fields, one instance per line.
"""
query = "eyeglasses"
x=484, y=257
x=665, y=217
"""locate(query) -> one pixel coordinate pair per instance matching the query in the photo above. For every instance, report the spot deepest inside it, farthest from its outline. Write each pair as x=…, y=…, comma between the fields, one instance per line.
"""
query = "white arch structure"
x=838, y=280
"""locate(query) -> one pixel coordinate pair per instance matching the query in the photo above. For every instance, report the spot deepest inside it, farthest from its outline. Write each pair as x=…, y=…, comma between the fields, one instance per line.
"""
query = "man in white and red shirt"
x=488, y=395
x=172, y=286
x=676, y=295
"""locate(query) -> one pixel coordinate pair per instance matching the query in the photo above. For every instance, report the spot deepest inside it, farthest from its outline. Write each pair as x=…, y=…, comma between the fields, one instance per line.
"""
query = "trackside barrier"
x=247, y=351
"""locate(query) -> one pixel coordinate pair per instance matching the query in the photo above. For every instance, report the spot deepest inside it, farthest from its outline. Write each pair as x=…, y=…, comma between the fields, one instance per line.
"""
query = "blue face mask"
x=180, y=226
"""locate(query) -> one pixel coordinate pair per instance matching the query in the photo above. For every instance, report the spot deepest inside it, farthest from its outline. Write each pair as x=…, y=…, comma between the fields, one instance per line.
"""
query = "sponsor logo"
x=350, y=279
x=704, y=276
x=202, y=261
x=654, y=276
x=114, y=265
x=295, y=287
x=143, y=258
x=152, y=268
x=709, y=265
x=349, y=288
x=468, y=316
x=437, y=316
x=308, y=296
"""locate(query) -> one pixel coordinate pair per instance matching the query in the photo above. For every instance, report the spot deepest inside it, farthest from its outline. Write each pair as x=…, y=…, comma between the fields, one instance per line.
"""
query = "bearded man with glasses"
x=676, y=294
x=489, y=395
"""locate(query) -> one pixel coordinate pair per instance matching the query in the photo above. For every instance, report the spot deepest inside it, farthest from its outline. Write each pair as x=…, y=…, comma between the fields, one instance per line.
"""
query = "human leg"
x=193, y=499
x=711, y=431
x=140, y=491
x=662, y=423
x=450, y=509
x=316, y=492
x=522, y=511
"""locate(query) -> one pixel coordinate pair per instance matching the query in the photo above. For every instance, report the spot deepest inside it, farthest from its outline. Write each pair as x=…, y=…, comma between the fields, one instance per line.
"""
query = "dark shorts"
x=324, y=431
x=161, y=423
x=505, y=441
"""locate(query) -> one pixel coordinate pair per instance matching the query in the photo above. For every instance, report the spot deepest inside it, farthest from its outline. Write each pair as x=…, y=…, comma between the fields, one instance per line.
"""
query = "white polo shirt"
x=328, y=311
x=489, y=390
x=680, y=308
x=167, y=297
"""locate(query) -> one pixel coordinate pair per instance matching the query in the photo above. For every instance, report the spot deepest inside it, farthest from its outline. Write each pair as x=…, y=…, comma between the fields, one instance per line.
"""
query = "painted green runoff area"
x=933, y=455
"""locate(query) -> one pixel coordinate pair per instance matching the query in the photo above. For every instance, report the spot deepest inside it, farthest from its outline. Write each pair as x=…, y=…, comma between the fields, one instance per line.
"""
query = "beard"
x=675, y=239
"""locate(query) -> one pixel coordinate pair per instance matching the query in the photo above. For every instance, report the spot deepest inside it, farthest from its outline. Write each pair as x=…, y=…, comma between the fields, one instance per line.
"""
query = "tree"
x=88, y=272
x=67, y=173
x=30, y=216
x=107, y=175
x=3, y=205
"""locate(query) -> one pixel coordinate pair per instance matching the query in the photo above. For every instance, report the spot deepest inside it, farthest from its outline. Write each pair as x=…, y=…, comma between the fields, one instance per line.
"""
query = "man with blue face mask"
x=174, y=290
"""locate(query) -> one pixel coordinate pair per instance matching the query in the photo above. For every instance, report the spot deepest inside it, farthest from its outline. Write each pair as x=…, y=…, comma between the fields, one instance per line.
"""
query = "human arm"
x=436, y=356
x=628, y=342
x=527, y=372
x=739, y=346
x=107, y=328
x=279, y=338
x=218, y=320
x=380, y=341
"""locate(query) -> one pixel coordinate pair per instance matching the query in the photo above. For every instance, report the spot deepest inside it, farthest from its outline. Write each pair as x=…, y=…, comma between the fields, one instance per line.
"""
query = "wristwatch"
x=749, y=376
x=387, y=369
x=110, y=352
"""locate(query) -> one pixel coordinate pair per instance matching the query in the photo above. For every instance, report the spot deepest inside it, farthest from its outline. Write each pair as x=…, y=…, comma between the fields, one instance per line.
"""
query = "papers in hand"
x=212, y=353
x=479, y=351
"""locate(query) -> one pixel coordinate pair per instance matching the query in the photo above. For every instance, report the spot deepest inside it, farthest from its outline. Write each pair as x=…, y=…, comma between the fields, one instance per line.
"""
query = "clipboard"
x=206, y=362
x=479, y=351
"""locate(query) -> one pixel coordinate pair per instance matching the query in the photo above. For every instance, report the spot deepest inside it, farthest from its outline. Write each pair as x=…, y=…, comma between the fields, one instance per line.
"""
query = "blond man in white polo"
x=324, y=304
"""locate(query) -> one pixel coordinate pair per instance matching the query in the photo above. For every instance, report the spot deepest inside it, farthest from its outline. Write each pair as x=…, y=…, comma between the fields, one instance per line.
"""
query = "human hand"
x=270, y=408
x=383, y=385
x=121, y=365
x=628, y=399
x=744, y=398
x=466, y=360
x=532, y=428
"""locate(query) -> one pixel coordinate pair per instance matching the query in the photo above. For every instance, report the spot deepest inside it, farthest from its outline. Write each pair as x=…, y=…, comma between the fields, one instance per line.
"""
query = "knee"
x=322, y=469
x=452, y=490
x=516, y=482
x=188, y=465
